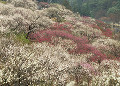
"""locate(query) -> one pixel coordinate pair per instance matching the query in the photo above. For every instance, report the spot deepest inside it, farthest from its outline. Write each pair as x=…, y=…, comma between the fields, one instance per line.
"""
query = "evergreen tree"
x=66, y=4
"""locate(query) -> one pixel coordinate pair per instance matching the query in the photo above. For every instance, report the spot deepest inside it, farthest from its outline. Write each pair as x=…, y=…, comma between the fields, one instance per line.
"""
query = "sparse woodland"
x=45, y=44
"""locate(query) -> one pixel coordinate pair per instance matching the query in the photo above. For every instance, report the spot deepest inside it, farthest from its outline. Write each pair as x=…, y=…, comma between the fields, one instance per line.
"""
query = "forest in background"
x=106, y=10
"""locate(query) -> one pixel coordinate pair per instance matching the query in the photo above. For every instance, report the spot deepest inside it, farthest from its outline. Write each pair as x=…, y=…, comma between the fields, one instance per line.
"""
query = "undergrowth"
x=17, y=37
x=21, y=37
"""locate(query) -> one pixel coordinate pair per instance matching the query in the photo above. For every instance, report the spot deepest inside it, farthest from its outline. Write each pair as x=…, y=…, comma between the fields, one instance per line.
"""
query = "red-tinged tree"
x=60, y=30
x=105, y=28
x=82, y=43
x=108, y=33
x=64, y=27
x=43, y=5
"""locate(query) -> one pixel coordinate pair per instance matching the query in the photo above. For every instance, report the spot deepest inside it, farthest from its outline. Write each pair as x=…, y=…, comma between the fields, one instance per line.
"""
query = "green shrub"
x=21, y=37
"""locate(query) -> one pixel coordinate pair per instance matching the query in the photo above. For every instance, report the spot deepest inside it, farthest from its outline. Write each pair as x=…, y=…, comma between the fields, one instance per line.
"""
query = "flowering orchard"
x=64, y=31
x=67, y=49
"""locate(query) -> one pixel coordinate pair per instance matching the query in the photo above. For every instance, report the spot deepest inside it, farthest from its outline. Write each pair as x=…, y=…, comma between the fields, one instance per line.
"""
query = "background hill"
x=98, y=8
x=107, y=10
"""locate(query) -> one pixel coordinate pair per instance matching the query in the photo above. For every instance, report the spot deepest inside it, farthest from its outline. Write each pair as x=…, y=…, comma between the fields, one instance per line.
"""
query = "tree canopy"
x=93, y=8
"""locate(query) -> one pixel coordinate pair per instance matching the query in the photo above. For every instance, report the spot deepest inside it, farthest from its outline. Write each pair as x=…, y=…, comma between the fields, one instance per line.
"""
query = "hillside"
x=48, y=45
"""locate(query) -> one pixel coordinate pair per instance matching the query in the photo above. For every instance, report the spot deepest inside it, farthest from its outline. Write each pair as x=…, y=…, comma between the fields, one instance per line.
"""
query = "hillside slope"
x=55, y=47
